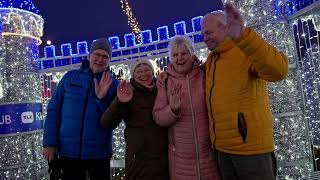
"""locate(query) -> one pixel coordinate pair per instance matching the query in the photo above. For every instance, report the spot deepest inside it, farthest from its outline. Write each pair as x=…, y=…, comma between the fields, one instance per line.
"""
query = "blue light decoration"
x=300, y=4
x=47, y=64
x=146, y=36
x=82, y=47
x=62, y=62
x=297, y=5
x=130, y=40
x=196, y=26
x=135, y=50
x=196, y=23
x=284, y=8
x=180, y=28
x=163, y=33
x=49, y=51
x=307, y=38
x=78, y=59
x=1, y=27
x=66, y=49
x=114, y=41
x=27, y=5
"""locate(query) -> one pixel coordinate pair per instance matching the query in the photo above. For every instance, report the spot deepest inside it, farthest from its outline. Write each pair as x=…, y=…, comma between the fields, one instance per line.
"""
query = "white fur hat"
x=137, y=62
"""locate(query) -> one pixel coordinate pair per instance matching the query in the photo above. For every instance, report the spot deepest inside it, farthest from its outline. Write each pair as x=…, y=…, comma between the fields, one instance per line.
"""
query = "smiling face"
x=143, y=74
x=99, y=60
x=182, y=60
x=214, y=31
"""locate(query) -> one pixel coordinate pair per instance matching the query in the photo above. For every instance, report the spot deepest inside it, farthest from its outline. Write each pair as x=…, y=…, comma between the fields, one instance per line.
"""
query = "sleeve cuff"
x=249, y=41
x=174, y=115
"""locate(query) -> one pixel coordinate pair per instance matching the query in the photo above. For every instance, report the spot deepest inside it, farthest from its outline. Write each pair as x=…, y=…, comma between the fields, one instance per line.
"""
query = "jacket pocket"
x=242, y=126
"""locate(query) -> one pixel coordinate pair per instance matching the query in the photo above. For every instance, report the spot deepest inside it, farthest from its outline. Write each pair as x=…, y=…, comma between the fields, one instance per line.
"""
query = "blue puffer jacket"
x=73, y=117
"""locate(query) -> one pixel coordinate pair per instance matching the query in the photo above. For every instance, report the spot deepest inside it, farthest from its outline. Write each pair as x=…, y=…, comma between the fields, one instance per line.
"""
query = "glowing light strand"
x=132, y=21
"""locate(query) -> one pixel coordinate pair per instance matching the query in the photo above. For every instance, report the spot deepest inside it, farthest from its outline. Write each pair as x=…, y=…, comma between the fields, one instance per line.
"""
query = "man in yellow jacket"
x=238, y=69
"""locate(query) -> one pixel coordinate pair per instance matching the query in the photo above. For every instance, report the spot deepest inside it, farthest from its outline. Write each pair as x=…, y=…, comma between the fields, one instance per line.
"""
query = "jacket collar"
x=85, y=66
x=225, y=46
x=140, y=87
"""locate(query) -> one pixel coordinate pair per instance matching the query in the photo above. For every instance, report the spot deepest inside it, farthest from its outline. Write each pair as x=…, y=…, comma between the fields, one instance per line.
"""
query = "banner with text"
x=20, y=118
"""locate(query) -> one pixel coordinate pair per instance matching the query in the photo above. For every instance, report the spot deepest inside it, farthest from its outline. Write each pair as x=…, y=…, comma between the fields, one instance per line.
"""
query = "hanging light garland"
x=132, y=21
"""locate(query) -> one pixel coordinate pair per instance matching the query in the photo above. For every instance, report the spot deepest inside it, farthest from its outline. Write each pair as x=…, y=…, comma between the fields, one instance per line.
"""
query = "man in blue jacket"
x=72, y=127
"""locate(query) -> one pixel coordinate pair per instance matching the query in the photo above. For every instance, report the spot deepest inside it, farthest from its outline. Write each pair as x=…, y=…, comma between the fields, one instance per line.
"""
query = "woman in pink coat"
x=180, y=105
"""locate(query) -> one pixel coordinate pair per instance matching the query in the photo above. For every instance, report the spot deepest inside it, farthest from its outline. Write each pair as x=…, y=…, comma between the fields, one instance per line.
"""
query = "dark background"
x=70, y=21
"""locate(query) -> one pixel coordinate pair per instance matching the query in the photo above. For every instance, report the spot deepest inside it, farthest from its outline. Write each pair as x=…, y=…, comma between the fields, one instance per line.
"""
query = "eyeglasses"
x=98, y=55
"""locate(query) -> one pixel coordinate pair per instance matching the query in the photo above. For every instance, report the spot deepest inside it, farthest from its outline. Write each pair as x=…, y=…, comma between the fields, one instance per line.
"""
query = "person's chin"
x=182, y=71
x=144, y=83
x=98, y=70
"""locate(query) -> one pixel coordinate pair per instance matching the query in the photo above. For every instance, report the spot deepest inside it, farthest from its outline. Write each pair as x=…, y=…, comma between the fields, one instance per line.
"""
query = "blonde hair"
x=179, y=41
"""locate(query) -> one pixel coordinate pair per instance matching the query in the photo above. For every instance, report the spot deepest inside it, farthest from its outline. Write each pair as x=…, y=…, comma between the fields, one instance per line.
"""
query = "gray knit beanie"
x=103, y=44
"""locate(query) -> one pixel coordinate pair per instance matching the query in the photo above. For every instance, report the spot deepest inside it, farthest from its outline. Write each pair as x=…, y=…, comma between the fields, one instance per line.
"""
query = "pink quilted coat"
x=190, y=154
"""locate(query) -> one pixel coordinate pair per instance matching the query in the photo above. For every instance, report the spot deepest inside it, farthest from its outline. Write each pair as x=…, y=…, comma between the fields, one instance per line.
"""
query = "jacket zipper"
x=83, y=116
x=211, y=113
x=194, y=130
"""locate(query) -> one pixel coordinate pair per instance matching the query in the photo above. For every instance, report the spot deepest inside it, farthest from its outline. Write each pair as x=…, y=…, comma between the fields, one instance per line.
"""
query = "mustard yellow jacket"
x=237, y=73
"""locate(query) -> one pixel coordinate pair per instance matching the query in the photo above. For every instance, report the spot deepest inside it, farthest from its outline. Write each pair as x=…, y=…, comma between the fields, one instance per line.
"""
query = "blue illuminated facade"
x=148, y=44
x=130, y=46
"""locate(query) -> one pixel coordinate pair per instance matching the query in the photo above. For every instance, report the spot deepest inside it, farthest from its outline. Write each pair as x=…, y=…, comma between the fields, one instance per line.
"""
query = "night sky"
x=77, y=20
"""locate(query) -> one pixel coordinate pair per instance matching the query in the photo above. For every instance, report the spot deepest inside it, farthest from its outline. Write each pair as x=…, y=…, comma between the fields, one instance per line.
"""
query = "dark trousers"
x=97, y=169
x=247, y=167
